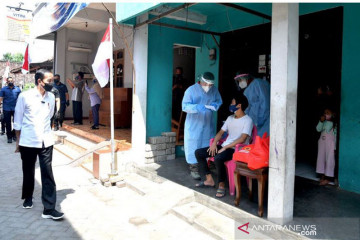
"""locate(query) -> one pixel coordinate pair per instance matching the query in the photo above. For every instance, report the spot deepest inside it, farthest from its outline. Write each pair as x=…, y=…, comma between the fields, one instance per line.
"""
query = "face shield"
x=207, y=78
x=241, y=80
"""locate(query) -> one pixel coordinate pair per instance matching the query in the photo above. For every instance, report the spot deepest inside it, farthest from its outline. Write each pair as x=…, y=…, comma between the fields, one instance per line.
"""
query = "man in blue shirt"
x=64, y=99
x=9, y=95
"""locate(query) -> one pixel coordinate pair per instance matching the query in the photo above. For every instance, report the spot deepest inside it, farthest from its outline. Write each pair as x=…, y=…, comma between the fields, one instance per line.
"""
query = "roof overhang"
x=202, y=16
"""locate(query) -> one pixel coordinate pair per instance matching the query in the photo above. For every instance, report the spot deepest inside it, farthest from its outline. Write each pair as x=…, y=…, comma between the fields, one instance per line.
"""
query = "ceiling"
x=100, y=6
x=93, y=18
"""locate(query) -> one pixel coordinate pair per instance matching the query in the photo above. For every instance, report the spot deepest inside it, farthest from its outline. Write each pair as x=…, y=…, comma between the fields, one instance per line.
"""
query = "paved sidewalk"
x=91, y=210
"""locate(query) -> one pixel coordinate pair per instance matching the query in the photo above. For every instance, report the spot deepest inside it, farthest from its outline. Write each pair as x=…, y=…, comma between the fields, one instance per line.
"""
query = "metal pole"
x=111, y=78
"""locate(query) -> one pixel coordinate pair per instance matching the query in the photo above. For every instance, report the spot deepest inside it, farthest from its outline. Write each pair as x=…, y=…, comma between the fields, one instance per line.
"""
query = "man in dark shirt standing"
x=64, y=99
x=9, y=96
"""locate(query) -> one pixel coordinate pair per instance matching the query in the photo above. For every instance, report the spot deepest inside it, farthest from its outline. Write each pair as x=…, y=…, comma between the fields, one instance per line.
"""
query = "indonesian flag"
x=6, y=73
x=101, y=65
x=26, y=62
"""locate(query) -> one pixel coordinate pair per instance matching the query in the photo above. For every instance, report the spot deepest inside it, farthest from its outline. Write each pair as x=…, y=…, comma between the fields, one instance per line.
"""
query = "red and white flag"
x=101, y=63
x=26, y=63
x=6, y=73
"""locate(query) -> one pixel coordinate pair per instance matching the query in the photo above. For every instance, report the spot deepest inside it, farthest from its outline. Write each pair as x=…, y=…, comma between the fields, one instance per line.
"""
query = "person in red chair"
x=239, y=127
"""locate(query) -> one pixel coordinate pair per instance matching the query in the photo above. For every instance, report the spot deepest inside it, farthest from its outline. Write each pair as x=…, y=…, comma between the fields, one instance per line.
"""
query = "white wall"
x=138, y=131
x=65, y=58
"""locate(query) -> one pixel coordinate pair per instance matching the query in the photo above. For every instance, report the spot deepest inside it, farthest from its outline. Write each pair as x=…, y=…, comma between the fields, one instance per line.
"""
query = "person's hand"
x=212, y=150
x=201, y=108
x=57, y=115
x=322, y=118
x=221, y=150
x=17, y=148
x=67, y=103
x=214, y=105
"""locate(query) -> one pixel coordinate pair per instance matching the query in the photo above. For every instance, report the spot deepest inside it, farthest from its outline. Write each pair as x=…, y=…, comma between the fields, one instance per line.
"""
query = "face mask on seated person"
x=233, y=108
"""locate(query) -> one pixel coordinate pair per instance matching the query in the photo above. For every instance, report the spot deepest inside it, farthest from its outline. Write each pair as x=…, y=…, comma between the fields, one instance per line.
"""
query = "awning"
x=49, y=17
x=208, y=18
x=126, y=11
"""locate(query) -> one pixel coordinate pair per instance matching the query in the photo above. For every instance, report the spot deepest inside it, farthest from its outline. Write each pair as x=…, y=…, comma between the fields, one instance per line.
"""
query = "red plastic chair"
x=231, y=165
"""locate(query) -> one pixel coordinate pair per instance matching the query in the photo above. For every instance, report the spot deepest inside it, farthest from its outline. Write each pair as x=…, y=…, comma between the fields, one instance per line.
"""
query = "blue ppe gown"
x=258, y=95
x=199, y=126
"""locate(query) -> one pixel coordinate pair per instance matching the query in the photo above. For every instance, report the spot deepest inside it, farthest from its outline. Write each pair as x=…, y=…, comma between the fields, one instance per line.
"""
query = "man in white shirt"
x=76, y=97
x=33, y=112
x=239, y=127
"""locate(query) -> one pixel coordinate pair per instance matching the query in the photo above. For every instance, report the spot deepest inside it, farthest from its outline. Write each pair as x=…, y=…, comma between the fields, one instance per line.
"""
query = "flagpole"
x=113, y=170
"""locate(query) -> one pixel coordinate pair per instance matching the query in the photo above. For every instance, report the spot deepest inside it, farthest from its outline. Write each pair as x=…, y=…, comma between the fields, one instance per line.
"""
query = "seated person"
x=239, y=127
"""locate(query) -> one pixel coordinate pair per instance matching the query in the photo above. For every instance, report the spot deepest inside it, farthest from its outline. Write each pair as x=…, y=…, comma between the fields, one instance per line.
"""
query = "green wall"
x=160, y=65
x=349, y=153
x=349, y=166
x=161, y=42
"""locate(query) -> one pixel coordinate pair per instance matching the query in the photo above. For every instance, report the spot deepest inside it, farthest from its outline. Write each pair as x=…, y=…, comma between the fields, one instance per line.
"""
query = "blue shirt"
x=62, y=90
x=10, y=97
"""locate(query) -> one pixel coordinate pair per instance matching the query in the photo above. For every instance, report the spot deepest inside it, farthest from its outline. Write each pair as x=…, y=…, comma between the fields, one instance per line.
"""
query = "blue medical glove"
x=201, y=108
x=214, y=105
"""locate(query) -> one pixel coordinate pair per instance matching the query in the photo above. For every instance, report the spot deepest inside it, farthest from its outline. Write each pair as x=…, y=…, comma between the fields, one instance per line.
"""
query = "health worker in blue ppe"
x=200, y=102
x=257, y=91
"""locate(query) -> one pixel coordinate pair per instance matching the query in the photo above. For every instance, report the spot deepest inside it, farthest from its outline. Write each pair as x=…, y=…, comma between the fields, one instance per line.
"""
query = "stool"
x=260, y=174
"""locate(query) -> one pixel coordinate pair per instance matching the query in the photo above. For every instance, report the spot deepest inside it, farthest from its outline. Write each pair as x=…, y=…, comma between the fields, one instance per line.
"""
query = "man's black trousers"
x=77, y=112
x=202, y=154
x=7, y=117
x=28, y=157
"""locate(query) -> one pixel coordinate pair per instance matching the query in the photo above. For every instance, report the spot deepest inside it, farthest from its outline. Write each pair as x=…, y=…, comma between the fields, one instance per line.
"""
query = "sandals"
x=324, y=182
x=202, y=185
x=221, y=192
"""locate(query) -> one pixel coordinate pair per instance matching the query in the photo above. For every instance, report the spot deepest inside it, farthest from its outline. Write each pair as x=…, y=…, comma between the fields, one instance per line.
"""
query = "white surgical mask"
x=206, y=88
x=242, y=84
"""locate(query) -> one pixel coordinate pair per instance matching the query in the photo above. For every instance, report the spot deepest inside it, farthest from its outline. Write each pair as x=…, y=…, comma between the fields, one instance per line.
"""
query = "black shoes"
x=28, y=203
x=94, y=127
x=9, y=140
x=14, y=138
x=2, y=133
x=52, y=213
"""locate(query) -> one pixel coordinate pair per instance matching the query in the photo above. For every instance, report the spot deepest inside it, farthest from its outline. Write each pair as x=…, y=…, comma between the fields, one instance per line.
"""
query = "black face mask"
x=10, y=84
x=47, y=87
x=56, y=81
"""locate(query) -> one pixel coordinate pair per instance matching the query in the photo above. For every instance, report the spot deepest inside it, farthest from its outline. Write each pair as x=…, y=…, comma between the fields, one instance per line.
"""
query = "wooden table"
x=260, y=174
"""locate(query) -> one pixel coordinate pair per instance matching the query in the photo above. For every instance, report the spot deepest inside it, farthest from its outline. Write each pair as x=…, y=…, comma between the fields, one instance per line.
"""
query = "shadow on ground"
x=334, y=211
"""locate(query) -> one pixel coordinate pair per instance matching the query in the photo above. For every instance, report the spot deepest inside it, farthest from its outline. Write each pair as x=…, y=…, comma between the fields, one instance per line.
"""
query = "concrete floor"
x=335, y=212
